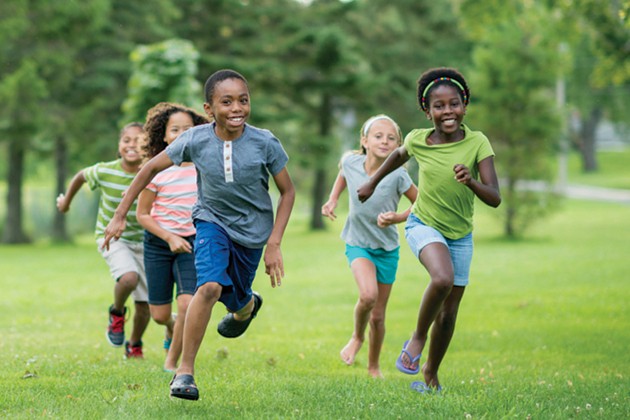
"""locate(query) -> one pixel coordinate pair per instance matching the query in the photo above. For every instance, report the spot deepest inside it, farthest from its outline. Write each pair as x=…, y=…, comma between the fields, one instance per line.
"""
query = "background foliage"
x=317, y=69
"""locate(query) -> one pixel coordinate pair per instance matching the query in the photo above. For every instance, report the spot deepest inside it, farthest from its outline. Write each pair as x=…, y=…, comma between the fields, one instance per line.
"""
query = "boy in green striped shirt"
x=125, y=256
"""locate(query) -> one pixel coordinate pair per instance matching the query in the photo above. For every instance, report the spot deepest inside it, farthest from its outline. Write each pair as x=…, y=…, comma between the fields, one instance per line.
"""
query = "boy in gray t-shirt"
x=233, y=214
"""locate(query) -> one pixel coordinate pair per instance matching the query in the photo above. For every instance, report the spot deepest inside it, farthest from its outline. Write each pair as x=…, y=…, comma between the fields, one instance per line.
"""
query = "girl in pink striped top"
x=164, y=210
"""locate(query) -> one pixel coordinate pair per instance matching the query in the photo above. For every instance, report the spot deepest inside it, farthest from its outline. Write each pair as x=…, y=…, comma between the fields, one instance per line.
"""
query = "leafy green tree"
x=21, y=94
x=599, y=86
x=514, y=73
x=164, y=71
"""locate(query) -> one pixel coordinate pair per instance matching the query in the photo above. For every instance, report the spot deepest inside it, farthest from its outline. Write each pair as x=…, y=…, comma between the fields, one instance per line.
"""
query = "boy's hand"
x=62, y=204
x=273, y=264
x=114, y=230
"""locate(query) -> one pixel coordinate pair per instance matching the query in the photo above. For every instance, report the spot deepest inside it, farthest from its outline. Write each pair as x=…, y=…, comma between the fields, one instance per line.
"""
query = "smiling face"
x=129, y=145
x=381, y=140
x=446, y=109
x=230, y=108
x=177, y=124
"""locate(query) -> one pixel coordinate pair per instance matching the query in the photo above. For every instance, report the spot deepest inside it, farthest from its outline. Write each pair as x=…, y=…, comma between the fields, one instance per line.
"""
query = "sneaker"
x=133, y=352
x=116, y=328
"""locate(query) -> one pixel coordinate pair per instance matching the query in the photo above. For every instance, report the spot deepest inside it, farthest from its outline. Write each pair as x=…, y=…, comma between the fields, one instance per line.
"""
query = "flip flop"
x=423, y=388
x=414, y=360
x=183, y=386
x=230, y=327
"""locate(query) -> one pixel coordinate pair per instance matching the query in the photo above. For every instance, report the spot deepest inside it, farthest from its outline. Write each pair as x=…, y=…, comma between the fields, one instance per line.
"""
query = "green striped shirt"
x=113, y=181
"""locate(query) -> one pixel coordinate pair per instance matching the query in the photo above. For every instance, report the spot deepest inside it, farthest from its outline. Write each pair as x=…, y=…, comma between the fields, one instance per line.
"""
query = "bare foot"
x=375, y=373
x=430, y=378
x=171, y=369
x=349, y=352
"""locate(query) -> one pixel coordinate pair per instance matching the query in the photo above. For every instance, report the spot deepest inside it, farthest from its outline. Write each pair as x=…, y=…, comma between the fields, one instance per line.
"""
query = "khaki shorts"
x=125, y=257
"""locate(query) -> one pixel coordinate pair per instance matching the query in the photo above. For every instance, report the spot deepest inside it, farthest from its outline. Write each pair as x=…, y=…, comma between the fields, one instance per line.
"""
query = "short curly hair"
x=435, y=77
x=157, y=120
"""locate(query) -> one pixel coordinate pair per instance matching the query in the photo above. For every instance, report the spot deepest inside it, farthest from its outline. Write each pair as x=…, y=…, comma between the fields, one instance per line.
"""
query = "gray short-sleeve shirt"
x=233, y=179
x=361, y=228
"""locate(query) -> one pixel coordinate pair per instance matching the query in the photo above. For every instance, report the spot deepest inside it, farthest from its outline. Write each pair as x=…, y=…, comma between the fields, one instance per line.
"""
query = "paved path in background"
x=583, y=192
x=597, y=193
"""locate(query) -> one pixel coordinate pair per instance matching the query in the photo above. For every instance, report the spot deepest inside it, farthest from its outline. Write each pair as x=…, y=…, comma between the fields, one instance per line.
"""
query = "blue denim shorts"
x=167, y=270
x=386, y=262
x=420, y=235
x=220, y=260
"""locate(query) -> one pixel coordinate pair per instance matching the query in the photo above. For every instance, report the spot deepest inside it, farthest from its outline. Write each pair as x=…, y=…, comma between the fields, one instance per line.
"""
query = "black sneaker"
x=116, y=328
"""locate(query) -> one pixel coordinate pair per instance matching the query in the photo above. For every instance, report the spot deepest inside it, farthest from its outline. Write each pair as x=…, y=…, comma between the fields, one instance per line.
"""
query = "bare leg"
x=126, y=284
x=436, y=259
x=365, y=276
x=377, y=330
x=197, y=318
x=175, y=351
x=441, y=334
x=141, y=319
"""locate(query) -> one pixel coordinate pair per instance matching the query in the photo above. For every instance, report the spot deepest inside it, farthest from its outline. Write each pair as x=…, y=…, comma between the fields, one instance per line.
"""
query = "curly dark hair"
x=157, y=119
x=438, y=77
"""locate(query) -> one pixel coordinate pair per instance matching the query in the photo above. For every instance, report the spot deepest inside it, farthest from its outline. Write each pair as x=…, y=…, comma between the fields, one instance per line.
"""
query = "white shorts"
x=124, y=257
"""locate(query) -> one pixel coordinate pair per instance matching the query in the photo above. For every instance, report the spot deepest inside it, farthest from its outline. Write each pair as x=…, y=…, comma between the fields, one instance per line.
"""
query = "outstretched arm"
x=328, y=209
x=274, y=266
x=487, y=189
x=396, y=159
x=116, y=226
x=64, y=200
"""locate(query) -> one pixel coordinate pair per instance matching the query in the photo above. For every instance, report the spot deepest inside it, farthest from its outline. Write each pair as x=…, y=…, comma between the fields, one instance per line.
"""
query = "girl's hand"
x=62, y=204
x=365, y=191
x=387, y=218
x=328, y=209
x=390, y=218
x=179, y=245
x=462, y=174
x=273, y=264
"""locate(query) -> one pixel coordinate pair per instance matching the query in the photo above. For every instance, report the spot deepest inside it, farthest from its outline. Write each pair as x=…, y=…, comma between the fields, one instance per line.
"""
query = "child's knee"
x=210, y=292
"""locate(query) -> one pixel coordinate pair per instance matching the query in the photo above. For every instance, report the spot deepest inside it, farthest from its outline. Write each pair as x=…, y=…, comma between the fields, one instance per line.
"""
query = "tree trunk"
x=59, y=231
x=510, y=208
x=319, y=185
x=588, y=140
x=13, y=231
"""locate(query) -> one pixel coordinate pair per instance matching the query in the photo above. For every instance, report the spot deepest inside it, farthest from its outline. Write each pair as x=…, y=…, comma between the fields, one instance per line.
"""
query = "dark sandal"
x=232, y=328
x=183, y=386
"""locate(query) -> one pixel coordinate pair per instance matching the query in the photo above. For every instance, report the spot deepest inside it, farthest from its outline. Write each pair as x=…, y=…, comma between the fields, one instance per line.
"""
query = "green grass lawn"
x=543, y=332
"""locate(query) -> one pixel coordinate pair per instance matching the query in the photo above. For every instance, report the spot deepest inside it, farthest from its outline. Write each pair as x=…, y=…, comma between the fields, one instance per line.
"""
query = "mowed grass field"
x=543, y=332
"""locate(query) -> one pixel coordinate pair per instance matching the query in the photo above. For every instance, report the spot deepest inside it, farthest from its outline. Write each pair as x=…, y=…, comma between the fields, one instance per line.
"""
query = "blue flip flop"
x=401, y=367
x=423, y=388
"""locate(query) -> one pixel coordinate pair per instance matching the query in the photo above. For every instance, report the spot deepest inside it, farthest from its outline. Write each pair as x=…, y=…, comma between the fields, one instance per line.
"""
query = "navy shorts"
x=220, y=260
x=167, y=270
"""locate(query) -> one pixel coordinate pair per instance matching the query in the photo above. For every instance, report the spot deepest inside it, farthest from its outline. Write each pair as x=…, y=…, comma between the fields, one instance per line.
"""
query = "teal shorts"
x=386, y=262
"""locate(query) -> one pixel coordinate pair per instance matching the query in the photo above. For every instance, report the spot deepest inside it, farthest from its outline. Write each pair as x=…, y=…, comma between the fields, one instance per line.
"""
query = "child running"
x=370, y=233
x=233, y=214
x=125, y=258
x=165, y=212
x=456, y=165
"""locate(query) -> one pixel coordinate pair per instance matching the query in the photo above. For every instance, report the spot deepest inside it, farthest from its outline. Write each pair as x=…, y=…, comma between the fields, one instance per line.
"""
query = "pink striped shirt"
x=176, y=193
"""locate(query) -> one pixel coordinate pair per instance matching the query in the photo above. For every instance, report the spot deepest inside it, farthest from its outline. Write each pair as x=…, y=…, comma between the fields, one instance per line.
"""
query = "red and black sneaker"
x=116, y=328
x=133, y=352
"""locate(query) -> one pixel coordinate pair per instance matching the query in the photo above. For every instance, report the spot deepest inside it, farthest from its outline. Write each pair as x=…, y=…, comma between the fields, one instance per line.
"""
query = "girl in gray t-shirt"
x=370, y=232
